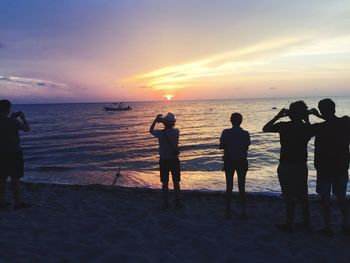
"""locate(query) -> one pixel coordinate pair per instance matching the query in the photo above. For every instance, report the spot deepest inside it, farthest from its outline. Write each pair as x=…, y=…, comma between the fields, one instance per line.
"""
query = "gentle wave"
x=80, y=143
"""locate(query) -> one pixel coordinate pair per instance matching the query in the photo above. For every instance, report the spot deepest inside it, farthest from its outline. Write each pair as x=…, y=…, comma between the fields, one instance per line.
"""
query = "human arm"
x=25, y=122
x=157, y=119
x=221, y=147
x=248, y=140
x=269, y=127
x=22, y=125
x=315, y=112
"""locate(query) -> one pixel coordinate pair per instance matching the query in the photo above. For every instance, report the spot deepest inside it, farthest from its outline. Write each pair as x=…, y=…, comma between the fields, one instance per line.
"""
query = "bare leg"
x=326, y=208
x=228, y=196
x=302, y=194
x=165, y=192
x=15, y=186
x=290, y=203
x=177, y=194
x=304, y=203
x=241, y=187
x=15, y=190
x=2, y=191
x=344, y=210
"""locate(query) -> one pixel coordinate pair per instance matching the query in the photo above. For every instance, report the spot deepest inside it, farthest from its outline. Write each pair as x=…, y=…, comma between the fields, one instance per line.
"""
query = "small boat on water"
x=117, y=107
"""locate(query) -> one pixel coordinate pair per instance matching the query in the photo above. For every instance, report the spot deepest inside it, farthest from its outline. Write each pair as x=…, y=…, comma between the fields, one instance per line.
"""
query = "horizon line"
x=175, y=100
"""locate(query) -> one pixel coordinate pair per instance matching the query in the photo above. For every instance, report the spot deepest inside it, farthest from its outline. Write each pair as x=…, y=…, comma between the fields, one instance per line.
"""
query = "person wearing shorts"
x=332, y=161
x=292, y=170
x=168, y=139
x=11, y=155
x=235, y=143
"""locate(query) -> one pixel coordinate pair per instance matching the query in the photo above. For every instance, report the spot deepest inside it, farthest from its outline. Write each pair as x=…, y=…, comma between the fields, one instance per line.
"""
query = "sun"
x=169, y=96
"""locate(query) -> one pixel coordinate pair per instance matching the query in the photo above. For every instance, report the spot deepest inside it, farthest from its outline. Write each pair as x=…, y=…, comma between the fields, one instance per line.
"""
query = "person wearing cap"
x=235, y=142
x=168, y=139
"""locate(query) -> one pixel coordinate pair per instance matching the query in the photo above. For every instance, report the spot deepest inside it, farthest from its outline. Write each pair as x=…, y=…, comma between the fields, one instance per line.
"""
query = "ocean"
x=83, y=144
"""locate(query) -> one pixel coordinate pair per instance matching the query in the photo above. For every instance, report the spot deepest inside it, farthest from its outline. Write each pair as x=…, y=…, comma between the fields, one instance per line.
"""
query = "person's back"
x=235, y=142
x=9, y=135
x=168, y=139
x=294, y=137
x=332, y=143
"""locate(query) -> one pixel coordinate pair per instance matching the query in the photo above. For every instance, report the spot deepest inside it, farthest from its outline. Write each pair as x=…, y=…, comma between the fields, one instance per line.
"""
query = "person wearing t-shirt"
x=11, y=155
x=332, y=158
x=168, y=139
x=235, y=142
x=292, y=170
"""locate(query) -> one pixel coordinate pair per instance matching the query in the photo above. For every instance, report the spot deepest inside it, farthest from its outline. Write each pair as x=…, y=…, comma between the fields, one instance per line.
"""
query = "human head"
x=169, y=120
x=236, y=119
x=5, y=107
x=297, y=110
x=327, y=108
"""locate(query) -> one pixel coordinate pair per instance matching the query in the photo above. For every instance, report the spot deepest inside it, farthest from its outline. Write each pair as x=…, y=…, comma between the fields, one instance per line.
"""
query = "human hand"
x=159, y=118
x=314, y=112
x=282, y=113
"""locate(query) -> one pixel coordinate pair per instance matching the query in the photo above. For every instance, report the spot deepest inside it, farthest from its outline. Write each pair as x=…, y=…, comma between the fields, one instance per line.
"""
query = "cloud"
x=272, y=88
x=232, y=62
x=238, y=62
x=12, y=86
x=30, y=81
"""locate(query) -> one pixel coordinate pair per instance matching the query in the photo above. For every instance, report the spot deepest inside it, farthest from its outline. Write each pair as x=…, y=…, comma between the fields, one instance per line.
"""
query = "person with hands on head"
x=292, y=170
x=331, y=161
x=168, y=139
x=11, y=155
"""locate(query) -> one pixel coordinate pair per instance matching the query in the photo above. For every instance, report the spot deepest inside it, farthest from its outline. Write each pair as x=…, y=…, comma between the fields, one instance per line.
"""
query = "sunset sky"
x=127, y=50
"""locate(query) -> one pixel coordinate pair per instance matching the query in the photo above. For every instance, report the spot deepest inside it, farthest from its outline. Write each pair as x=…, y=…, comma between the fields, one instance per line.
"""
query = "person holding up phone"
x=11, y=155
x=292, y=170
x=168, y=139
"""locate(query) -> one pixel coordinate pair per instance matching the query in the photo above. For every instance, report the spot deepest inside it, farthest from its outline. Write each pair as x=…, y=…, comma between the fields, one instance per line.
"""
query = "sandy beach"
x=114, y=224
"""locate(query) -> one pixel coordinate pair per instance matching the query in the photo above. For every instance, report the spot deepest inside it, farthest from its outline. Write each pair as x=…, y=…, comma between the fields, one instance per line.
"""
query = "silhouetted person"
x=332, y=161
x=235, y=142
x=292, y=170
x=11, y=156
x=168, y=139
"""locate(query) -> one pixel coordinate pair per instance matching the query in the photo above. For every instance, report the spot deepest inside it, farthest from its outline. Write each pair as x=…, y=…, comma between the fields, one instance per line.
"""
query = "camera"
x=160, y=118
x=286, y=112
x=17, y=114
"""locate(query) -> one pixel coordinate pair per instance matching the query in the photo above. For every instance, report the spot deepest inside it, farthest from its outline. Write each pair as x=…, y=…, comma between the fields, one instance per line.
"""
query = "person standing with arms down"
x=235, y=143
x=168, y=139
x=11, y=155
x=292, y=170
x=332, y=161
